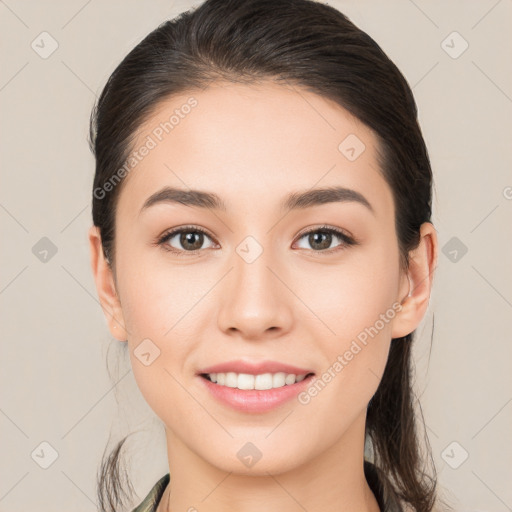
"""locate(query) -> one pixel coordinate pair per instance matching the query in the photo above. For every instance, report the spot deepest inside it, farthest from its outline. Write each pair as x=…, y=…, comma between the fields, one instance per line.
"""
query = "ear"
x=422, y=263
x=105, y=286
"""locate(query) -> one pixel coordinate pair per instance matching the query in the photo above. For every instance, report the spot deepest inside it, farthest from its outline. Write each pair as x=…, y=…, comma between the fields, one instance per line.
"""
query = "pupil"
x=314, y=239
x=189, y=238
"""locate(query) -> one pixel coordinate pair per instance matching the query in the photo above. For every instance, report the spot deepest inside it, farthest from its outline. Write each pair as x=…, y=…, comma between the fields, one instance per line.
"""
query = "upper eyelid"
x=186, y=229
x=306, y=231
x=339, y=232
x=325, y=227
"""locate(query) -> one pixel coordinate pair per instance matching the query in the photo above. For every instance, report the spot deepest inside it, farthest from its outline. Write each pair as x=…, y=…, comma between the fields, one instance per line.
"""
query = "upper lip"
x=254, y=368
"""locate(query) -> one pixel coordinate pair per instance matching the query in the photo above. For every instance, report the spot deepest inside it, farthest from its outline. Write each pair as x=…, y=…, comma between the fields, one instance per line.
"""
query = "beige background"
x=54, y=384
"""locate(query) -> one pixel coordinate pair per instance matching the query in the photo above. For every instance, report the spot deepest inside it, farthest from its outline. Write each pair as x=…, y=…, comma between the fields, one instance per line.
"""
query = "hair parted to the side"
x=305, y=44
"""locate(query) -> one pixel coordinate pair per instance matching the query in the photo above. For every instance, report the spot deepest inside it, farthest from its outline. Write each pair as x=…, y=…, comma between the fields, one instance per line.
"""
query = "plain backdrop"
x=58, y=405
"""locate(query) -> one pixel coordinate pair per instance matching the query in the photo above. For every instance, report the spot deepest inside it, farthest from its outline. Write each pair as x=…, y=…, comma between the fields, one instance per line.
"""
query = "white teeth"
x=278, y=380
x=263, y=381
x=245, y=381
x=260, y=382
x=290, y=379
x=231, y=380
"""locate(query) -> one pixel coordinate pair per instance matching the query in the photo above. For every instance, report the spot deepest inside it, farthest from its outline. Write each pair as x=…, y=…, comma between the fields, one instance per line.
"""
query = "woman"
x=263, y=244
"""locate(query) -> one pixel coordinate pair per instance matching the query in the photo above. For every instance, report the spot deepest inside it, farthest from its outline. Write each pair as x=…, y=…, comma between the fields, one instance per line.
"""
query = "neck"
x=334, y=481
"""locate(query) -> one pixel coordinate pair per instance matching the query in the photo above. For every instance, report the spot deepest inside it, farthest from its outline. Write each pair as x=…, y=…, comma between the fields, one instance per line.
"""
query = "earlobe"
x=422, y=263
x=105, y=286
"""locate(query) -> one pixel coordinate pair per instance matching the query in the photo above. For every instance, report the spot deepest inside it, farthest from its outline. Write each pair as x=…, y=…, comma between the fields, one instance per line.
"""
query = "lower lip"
x=255, y=400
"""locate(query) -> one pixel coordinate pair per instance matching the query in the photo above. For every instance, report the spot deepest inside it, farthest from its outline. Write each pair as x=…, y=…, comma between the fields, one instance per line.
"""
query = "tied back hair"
x=302, y=44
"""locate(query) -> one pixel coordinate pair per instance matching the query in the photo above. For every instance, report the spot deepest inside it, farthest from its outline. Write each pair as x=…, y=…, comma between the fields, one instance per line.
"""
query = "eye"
x=190, y=238
x=321, y=238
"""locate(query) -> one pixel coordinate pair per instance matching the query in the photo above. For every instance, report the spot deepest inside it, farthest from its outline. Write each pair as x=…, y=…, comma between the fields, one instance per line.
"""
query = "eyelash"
x=347, y=241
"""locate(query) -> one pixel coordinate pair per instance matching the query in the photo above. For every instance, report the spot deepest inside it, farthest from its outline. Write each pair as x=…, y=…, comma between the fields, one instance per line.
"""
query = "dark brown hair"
x=313, y=46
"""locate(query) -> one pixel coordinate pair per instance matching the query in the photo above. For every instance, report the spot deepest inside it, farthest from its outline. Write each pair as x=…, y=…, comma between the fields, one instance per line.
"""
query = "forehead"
x=259, y=141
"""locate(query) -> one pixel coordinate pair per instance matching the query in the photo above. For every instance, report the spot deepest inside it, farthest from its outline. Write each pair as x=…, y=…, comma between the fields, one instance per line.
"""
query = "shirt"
x=385, y=496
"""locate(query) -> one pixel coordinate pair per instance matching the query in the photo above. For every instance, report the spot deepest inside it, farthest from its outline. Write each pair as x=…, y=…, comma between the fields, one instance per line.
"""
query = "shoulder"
x=151, y=501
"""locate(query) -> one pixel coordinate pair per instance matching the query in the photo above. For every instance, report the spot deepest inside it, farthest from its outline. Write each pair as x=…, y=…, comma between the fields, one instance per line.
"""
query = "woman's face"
x=255, y=289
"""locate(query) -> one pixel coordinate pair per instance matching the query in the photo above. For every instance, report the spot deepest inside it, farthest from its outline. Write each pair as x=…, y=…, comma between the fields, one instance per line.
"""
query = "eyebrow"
x=295, y=200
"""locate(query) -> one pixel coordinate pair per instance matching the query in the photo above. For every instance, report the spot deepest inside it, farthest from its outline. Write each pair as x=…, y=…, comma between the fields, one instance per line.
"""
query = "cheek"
x=156, y=296
x=356, y=306
x=164, y=312
x=350, y=296
x=348, y=316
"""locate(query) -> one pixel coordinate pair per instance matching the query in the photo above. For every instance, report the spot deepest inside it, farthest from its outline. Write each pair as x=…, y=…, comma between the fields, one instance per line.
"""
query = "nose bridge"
x=255, y=300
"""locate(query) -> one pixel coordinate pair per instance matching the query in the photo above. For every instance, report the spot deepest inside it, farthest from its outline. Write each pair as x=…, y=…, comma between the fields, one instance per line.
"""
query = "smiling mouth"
x=261, y=382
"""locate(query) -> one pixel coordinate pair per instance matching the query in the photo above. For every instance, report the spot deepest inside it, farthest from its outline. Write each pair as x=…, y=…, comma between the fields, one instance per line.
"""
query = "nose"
x=255, y=302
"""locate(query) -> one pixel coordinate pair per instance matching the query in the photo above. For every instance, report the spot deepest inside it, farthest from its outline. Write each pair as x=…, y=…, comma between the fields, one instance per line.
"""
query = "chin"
x=248, y=459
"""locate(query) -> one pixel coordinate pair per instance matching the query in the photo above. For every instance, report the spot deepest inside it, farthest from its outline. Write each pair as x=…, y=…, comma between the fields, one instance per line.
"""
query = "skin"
x=253, y=145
